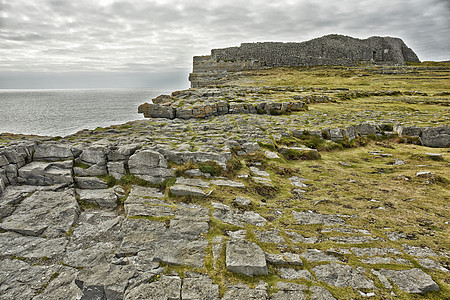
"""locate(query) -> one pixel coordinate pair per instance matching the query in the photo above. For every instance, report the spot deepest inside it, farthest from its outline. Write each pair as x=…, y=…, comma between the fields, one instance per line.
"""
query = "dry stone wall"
x=328, y=50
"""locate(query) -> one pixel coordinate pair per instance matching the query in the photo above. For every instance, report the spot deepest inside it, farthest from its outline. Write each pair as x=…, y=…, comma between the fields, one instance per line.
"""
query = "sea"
x=66, y=111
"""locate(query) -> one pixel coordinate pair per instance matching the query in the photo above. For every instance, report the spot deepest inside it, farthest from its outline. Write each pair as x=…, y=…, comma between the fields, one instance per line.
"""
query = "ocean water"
x=64, y=112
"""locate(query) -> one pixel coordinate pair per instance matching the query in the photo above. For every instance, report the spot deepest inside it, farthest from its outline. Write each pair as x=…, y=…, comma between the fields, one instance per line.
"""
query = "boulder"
x=150, y=165
x=117, y=169
x=94, y=155
x=121, y=153
x=104, y=198
x=184, y=190
x=367, y=128
x=46, y=173
x=52, y=152
x=245, y=258
x=438, y=137
x=90, y=183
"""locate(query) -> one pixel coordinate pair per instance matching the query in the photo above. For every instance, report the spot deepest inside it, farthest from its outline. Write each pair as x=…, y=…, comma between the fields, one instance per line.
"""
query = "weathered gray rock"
x=12, y=243
x=360, y=252
x=90, y=183
x=52, y=152
x=317, y=218
x=292, y=274
x=418, y=251
x=192, y=182
x=117, y=169
x=181, y=251
x=184, y=190
x=199, y=287
x=288, y=291
x=342, y=276
x=121, y=153
x=20, y=280
x=259, y=172
x=298, y=238
x=48, y=213
x=270, y=236
x=229, y=183
x=242, y=291
x=94, y=170
x=436, y=136
x=413, y=281
x=315, y=255
x=431, y=264
x=104, y=198
x=150, y=165
x=94, y=155
x=407, y=130
x=251, y=217
x=320, y=293
x=225, y=214
x=90, y=256
x=251, y=147
x=64, y=284
x=46, y=173
x=245, y=258
x=112, y=280
x=271, y=154
x=367, y=128
x=167, y=287
x=242, y=201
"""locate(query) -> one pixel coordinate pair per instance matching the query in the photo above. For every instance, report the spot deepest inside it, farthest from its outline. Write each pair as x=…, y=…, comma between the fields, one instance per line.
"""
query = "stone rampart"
x=328, y=50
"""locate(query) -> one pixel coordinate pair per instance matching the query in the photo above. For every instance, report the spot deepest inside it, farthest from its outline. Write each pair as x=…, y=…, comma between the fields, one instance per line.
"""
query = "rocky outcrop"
x=334, y=50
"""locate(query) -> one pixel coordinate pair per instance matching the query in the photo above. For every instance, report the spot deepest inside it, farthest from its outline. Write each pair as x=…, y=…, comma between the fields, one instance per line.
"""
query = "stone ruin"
x=331, y=50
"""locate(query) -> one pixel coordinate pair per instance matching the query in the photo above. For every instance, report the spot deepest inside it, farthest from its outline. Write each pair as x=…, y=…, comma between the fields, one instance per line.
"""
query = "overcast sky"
x=150, y=43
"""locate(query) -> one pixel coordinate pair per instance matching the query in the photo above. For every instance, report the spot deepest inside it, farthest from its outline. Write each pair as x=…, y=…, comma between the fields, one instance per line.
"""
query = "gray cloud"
x=159, y=36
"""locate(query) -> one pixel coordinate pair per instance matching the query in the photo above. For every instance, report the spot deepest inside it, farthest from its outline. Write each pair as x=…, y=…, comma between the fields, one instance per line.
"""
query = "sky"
x=150, y=43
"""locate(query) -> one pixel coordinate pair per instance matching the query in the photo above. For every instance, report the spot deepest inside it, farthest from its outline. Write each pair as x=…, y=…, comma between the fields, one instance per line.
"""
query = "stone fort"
x=331, y=50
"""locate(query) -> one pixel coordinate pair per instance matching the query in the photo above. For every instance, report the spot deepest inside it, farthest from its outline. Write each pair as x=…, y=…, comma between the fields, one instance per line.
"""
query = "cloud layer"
x=162, y=36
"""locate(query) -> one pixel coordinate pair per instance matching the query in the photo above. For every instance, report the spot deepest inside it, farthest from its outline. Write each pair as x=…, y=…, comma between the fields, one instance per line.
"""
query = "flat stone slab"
x=360, y=252
x=317, y=218
x=292, y=274
x=47, y=213
x=167, y=287
x=242, y=291
x=298, y=238
x=185, y=190
x=192, y=182
x=418, y=251
x=229, y=183
x=110, y=281
x=46, y=173
x=245, y=258
x=12, y=243
x=102, y=198
x=21, y=280
x=342, y=276
x=413, y=281
x=90, y=183
x=270, y=236
x=315, y=255
x=199, y=287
